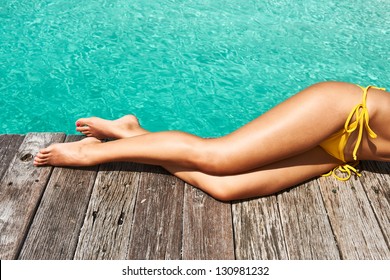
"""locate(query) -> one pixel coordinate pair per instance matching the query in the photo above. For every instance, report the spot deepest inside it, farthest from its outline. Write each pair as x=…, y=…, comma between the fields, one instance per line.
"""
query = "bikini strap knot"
x=361, y=121
x=347, y=169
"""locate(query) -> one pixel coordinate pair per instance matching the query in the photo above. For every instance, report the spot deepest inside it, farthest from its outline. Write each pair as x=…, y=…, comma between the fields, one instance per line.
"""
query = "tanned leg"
x=292, y=128
x=259, y=182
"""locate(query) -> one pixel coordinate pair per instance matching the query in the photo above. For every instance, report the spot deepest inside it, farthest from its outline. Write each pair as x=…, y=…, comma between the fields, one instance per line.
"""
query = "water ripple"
x=205, y=66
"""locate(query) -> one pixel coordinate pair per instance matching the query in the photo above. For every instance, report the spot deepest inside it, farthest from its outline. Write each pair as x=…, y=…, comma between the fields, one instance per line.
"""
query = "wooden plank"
x=21, y=189
x=158, y=221
x=109, y=219
x=9, y=145
x=352, y=219
x=307, y=231
x=376, y=183
x=207, y=230
x=257, y=230
x=55, y=229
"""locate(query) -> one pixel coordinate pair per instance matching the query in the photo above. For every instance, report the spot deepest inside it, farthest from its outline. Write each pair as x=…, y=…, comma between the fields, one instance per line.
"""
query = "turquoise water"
x=205, y=66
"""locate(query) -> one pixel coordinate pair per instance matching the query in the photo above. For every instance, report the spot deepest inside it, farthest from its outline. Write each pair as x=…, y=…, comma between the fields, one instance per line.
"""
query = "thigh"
x=293, y=127
x=269, y=179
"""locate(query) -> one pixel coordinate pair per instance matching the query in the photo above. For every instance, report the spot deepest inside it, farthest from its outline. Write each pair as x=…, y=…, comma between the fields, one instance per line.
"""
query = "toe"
x=42, y=156
x=40, y=161
x=82, y=122
x=83, y=129
x=45, y=151
x=78, y=123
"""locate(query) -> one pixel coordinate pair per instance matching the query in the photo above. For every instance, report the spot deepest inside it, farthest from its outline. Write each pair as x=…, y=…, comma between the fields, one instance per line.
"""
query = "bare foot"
x=66, y=154
x=124, y=127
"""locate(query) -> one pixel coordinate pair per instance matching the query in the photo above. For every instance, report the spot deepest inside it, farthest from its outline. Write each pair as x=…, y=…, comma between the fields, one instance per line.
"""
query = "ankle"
x=89, y=154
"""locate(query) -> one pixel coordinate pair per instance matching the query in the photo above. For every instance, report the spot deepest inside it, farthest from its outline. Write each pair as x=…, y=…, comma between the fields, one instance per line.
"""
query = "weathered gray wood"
x=352, y=219
x=9, y=144
x=55, y=229
x=21, y=189
x=158, y=221
x=109, y=219
x=208, y=229
x=307, y=231
x=376, y=182
x=140, y=214
x=258, y=231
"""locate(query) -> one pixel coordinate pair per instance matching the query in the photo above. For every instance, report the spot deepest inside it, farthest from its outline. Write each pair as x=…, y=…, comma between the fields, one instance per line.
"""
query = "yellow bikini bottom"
x=335, y=144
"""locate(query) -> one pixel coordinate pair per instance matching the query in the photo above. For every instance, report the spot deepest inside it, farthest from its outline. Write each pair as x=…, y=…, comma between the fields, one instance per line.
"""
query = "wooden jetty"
x=134, y=211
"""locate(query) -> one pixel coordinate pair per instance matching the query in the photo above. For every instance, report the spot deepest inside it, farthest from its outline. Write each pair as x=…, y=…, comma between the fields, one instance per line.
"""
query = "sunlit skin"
x=277, y=150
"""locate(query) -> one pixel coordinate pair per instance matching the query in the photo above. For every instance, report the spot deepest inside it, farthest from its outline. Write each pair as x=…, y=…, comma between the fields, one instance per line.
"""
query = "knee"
x=231, y=188
x=223, y=193
x=220, y=190
x=212, y=159
x=215, y=166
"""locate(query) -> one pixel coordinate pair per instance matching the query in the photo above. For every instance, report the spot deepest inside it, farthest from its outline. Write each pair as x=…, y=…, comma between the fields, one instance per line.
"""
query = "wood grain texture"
x=109, y=220
x=208, y=229
x=139, y=211
x=307, y=231
x=158, y=220
x=258, y=232
x=376, y=183
x=21, y=189
x=9, y=144
x=353, y=221
x=55, y=229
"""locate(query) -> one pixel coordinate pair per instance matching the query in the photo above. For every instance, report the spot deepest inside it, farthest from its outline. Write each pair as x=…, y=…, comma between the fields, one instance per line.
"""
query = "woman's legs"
x=262, y=181
x=294, y=127
x=259, y=182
